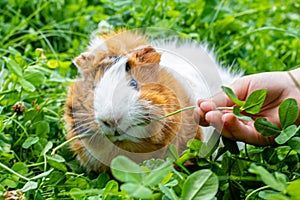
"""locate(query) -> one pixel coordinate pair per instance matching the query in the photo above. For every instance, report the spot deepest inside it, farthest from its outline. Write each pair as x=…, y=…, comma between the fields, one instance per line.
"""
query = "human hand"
x=279, y=86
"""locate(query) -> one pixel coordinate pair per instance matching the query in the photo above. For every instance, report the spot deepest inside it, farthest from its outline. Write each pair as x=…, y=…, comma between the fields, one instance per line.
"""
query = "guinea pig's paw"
x=83, y=59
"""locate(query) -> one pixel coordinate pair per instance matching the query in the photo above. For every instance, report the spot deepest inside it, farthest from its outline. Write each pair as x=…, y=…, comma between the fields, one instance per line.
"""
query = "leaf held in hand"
x=288, y=112
x=265, y=127
x=255, y=101
x=236, y=112
x=228, y=91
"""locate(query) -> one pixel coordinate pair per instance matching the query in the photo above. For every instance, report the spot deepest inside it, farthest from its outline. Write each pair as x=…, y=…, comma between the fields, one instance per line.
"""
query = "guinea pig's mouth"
x=120, y=135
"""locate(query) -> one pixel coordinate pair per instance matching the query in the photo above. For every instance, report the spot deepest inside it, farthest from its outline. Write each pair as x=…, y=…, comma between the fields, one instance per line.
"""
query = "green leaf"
x=152, y=164
x=281, y=178
x=13, y=66
x=102, y=180
x=272, y=195
x=168, y=192
x=29, y=142
x=255, y=101
x=294, y=143
x=42, y=129
x=158, y=174
x=209, y=147
x=27, y=85
x=126, y=170
x=293, y=189
x=44, y=174
x=48, y=146
x=77, y=182
x=57, y=162
x=111, y=187
x=34, y=76
x=229, y=92
x=286, y=134
x=267, y=177
x=21, y=168
x=56, y=158
x=172, y=152
x=194, y=144
x=137, y=190
x=265, y=127
x=236, y=112
x=30, y=185
x=288, y=112
x=201, y=184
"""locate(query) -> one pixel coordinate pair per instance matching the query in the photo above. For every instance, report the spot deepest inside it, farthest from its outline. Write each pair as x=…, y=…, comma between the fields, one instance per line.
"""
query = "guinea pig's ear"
x=146, y=55
x=87, y=61
x=83, y=60
x=149, y=55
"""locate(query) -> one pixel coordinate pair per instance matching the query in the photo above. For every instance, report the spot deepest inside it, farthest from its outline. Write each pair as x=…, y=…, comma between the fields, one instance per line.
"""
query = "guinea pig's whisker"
x=166, y=116
x=93, y=137
x=181, y=123
x=166, y=105
x=84, y=125
x=81, y=114
x=80, y=121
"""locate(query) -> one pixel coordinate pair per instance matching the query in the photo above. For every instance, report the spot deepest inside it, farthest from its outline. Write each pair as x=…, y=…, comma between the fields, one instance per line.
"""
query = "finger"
x=244, y=132
x=199, y=117
x=215, y=119
x=204, y=106
x=207, y=106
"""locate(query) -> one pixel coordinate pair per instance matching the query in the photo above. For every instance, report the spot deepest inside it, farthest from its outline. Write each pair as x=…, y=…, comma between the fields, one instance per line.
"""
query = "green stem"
x=166, y=116
x=68, y=141
x=255, y=191
x=13, y=172
x=35, y=164
x=182, y=167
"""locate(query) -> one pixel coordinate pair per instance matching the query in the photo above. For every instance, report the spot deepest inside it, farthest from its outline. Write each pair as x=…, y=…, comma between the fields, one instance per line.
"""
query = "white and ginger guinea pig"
x=123, y=84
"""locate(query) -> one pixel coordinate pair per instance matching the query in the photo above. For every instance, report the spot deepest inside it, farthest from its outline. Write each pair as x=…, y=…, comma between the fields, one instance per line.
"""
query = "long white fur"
x=97, y=43
x=195, y=67
x=112, y=86
x=115, y=100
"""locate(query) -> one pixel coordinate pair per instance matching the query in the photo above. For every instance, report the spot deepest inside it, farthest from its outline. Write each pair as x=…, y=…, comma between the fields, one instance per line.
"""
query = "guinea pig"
x=125, y=83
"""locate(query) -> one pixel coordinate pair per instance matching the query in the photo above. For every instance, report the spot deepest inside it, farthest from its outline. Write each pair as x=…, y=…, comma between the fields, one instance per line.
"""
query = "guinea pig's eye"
x=133, y=83
x=127, y=67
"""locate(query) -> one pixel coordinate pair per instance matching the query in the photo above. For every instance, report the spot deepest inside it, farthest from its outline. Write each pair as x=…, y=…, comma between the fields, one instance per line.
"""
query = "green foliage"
x=251, y=105
x=38, y=40
x=288, y=112
x=265, y=127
